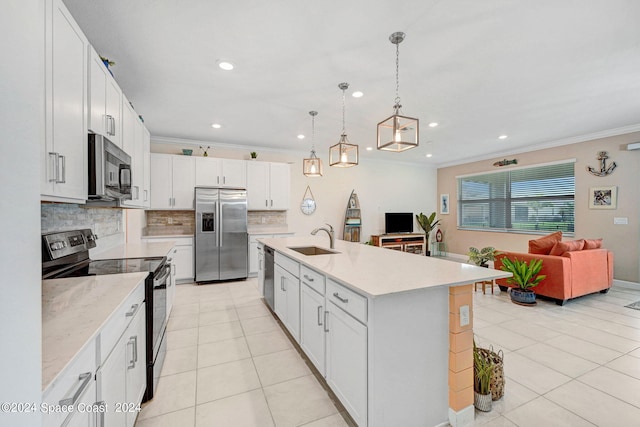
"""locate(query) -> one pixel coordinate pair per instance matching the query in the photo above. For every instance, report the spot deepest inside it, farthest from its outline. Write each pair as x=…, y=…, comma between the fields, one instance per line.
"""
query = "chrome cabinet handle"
x=344, y=300
x=217, y=179
x=102, y=406
x=282, y=286
x=145, y=192
x=319, y=315
x=84, y=381
x=224, y=179
x=326, y=323
x=308, y=278
x=133, y=310
x=64, y=170
x=113, y=121
x=266, y=203
x=271, y=202
x=132, y=363
x=55, y=164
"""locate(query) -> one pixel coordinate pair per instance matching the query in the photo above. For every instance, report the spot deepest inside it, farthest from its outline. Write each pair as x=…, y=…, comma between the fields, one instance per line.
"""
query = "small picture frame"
x=444, y=204
x=603, y=197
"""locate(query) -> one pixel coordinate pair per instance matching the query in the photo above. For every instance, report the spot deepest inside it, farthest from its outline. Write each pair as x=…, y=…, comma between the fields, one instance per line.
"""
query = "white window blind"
x=538, y=198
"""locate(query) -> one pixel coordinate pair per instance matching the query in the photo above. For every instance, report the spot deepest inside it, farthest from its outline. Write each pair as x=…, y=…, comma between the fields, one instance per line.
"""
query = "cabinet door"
x=112, y=380
x=279, y=295
x=65, y=149
x=234, y=173
x=86, y=418
x=279, y=186
x=97, y=94
x=146, y=153
x=260, y=251
x=136, y=364
x=161, y=181
x=132, y=145
x=207, y=172
x=346, y=341
x=183, y=261
x=257, y=186
x=114, y=111
x=312, y=334
x=287, y=300
x=253, y=255
x=184, y=182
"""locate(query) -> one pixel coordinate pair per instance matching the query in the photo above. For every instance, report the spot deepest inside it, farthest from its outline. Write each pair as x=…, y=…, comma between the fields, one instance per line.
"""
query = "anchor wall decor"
x=604, y=170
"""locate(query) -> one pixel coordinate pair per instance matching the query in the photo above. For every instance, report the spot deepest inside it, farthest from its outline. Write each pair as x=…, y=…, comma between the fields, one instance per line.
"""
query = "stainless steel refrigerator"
x=221, y=244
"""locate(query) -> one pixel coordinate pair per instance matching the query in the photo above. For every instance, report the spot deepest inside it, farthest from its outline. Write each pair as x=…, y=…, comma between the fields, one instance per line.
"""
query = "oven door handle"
x=163, y=276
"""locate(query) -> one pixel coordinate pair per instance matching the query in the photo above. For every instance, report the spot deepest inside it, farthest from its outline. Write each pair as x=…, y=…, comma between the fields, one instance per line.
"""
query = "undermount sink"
x=312, y=250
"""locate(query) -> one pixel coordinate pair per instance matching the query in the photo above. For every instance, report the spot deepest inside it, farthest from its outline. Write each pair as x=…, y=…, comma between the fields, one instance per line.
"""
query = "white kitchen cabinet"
x=133, y=144
x=213, y=172
x=268, y=186
x=146, y=152
x=64, y=151
x=346, y=361
x=260, y=262
x=172, y=182
x=112, y=380
x=105, y=102
x=86, y=418
x=287, y=299
x=136, y=372
x=254, y=260
x=312, y=331
x=181, y=257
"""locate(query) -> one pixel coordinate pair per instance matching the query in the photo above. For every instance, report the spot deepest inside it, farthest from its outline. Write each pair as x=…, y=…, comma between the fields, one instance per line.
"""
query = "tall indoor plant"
x=427, y=223
x=525, y=276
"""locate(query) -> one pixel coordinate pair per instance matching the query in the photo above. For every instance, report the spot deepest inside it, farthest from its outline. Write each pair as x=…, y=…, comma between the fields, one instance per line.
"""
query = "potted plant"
x=482, y=370
x=483, y=256
x=525, y=276
x=253, y=155
x=427, y=223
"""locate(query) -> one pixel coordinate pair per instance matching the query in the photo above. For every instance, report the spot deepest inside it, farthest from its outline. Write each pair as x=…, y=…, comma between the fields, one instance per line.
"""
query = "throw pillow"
x=592, y=243
x=569, y=246
x=543, y=245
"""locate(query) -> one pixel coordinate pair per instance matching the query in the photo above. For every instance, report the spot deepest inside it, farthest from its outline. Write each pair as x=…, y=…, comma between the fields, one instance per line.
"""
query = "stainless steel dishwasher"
x=268, y=276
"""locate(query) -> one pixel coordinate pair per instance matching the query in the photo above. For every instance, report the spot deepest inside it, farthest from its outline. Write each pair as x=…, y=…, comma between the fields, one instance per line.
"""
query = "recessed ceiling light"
x=216, y=126
x=369, y=148
x=357, y=94
x=433, y=124
x=226, y=65
x=502, y=137
x=429, y=155
x=301, y=136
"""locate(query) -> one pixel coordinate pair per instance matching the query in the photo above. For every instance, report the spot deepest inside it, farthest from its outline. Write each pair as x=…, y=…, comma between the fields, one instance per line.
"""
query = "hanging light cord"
x=313, y=134
x=343, y=102
x=397, y=106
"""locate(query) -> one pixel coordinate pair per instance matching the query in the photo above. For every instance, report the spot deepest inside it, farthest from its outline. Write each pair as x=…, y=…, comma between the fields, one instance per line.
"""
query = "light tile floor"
x=230, y=365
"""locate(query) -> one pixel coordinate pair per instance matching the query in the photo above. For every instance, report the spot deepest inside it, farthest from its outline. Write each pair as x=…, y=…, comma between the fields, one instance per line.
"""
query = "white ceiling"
x=539, y=71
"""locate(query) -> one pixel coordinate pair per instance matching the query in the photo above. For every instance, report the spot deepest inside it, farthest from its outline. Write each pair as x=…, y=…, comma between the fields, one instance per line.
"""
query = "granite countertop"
x=268, y=229
x=74, y=310
x=136, y=250
x=168, y=231
x=375, y=271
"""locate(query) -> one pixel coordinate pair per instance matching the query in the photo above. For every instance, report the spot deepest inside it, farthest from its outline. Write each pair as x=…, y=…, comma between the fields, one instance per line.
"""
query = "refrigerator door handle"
x=219, y=214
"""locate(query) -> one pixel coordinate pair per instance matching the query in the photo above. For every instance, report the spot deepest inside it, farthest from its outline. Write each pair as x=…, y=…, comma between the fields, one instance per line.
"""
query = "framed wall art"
x=444, y=204
x=603, y=197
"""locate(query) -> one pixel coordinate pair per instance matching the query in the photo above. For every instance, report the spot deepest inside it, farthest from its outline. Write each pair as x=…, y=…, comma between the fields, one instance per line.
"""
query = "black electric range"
x=66, y=254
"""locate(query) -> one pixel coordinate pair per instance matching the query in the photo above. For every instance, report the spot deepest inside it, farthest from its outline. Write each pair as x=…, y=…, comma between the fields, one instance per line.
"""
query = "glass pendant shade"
x=343, y=154
x=312, y=166
x=398, y=133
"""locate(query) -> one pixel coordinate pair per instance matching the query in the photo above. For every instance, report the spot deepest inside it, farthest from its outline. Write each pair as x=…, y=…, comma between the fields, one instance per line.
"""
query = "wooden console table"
x=411, y=243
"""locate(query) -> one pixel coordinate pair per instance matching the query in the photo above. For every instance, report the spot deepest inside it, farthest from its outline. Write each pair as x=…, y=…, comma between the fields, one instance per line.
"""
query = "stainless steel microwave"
x=109, y=171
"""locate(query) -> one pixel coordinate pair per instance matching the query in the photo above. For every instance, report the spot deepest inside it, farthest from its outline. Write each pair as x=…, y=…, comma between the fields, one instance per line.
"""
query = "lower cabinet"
x=85, y=417
x=181, y=257
x=287, y=299
x=260, y=252
x=312, y=326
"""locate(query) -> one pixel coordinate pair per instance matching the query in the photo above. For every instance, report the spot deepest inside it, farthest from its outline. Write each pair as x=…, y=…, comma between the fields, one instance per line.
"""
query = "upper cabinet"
x=105, y=102
x=172, y=181
x=64, y=151
x=211, y=172
x=133, y=143
x=268, y=186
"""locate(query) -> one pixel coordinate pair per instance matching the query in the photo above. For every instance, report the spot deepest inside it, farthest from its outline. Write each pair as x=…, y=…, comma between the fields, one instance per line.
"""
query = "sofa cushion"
x=543, y=245
x=592, y=243
x=569, y=246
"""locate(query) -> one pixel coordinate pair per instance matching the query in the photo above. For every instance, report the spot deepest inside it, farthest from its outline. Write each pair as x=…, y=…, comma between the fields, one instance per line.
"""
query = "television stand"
x=410, y=242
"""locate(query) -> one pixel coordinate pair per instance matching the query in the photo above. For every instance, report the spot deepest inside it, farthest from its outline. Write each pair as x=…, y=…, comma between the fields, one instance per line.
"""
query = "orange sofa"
x=569, y=275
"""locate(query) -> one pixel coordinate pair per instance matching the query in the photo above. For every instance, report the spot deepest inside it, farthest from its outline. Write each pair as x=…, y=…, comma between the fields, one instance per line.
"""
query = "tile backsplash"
x=267, y=217
x=171, y=218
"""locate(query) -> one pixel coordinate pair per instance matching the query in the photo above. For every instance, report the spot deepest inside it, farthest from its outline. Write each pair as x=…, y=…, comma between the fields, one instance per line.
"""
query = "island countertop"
x=376, y=271
x=136, y=250
x=73, y=311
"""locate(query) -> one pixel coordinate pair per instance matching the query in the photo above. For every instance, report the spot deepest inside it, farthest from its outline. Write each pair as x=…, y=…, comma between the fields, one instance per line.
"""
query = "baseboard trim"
x=625, y=284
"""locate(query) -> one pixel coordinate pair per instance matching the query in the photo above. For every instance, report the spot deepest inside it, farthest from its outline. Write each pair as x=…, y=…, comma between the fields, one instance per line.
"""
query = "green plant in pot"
x=481, y=257
x=253, y=155
x=427, y=223
x=525, y=276
x=482, y=371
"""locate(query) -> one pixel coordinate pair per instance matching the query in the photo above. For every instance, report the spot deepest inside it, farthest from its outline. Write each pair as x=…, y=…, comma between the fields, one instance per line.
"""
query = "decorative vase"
x=523, y=297
x=482, y=402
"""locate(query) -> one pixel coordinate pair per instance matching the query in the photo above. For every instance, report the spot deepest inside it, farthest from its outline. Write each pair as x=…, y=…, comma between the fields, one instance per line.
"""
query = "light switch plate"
x=620, y=220
x=464, y=315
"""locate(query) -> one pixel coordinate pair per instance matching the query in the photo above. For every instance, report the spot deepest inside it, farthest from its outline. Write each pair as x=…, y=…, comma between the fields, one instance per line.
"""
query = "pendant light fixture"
x=397, y=133
x=313, y=165
x=343, y=154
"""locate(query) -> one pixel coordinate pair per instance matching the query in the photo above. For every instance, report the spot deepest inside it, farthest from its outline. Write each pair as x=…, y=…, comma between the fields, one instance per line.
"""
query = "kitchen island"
x=390, y=332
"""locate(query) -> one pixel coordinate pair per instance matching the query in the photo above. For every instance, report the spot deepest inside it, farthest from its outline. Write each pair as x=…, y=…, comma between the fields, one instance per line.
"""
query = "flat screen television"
x=398, y=222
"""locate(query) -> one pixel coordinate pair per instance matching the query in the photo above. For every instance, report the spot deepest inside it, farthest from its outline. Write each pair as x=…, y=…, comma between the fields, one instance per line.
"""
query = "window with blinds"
x=538, y=198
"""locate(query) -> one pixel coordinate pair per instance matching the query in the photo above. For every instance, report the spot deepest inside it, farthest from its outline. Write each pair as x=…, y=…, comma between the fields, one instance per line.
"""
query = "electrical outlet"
x=464, y=315
x=169, y=220
x=263, y=219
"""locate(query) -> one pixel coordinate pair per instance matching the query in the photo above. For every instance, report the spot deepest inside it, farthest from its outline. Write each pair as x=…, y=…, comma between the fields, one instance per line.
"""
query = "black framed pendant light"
x=313, y=165
x=343, y=154
x=397, y=132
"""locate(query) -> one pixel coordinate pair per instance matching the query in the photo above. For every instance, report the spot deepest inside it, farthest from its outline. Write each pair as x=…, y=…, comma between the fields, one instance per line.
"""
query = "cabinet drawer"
x=71, y=385
x=312, y=278
x=119, y=321
x=346, y=299
x=288, y=264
